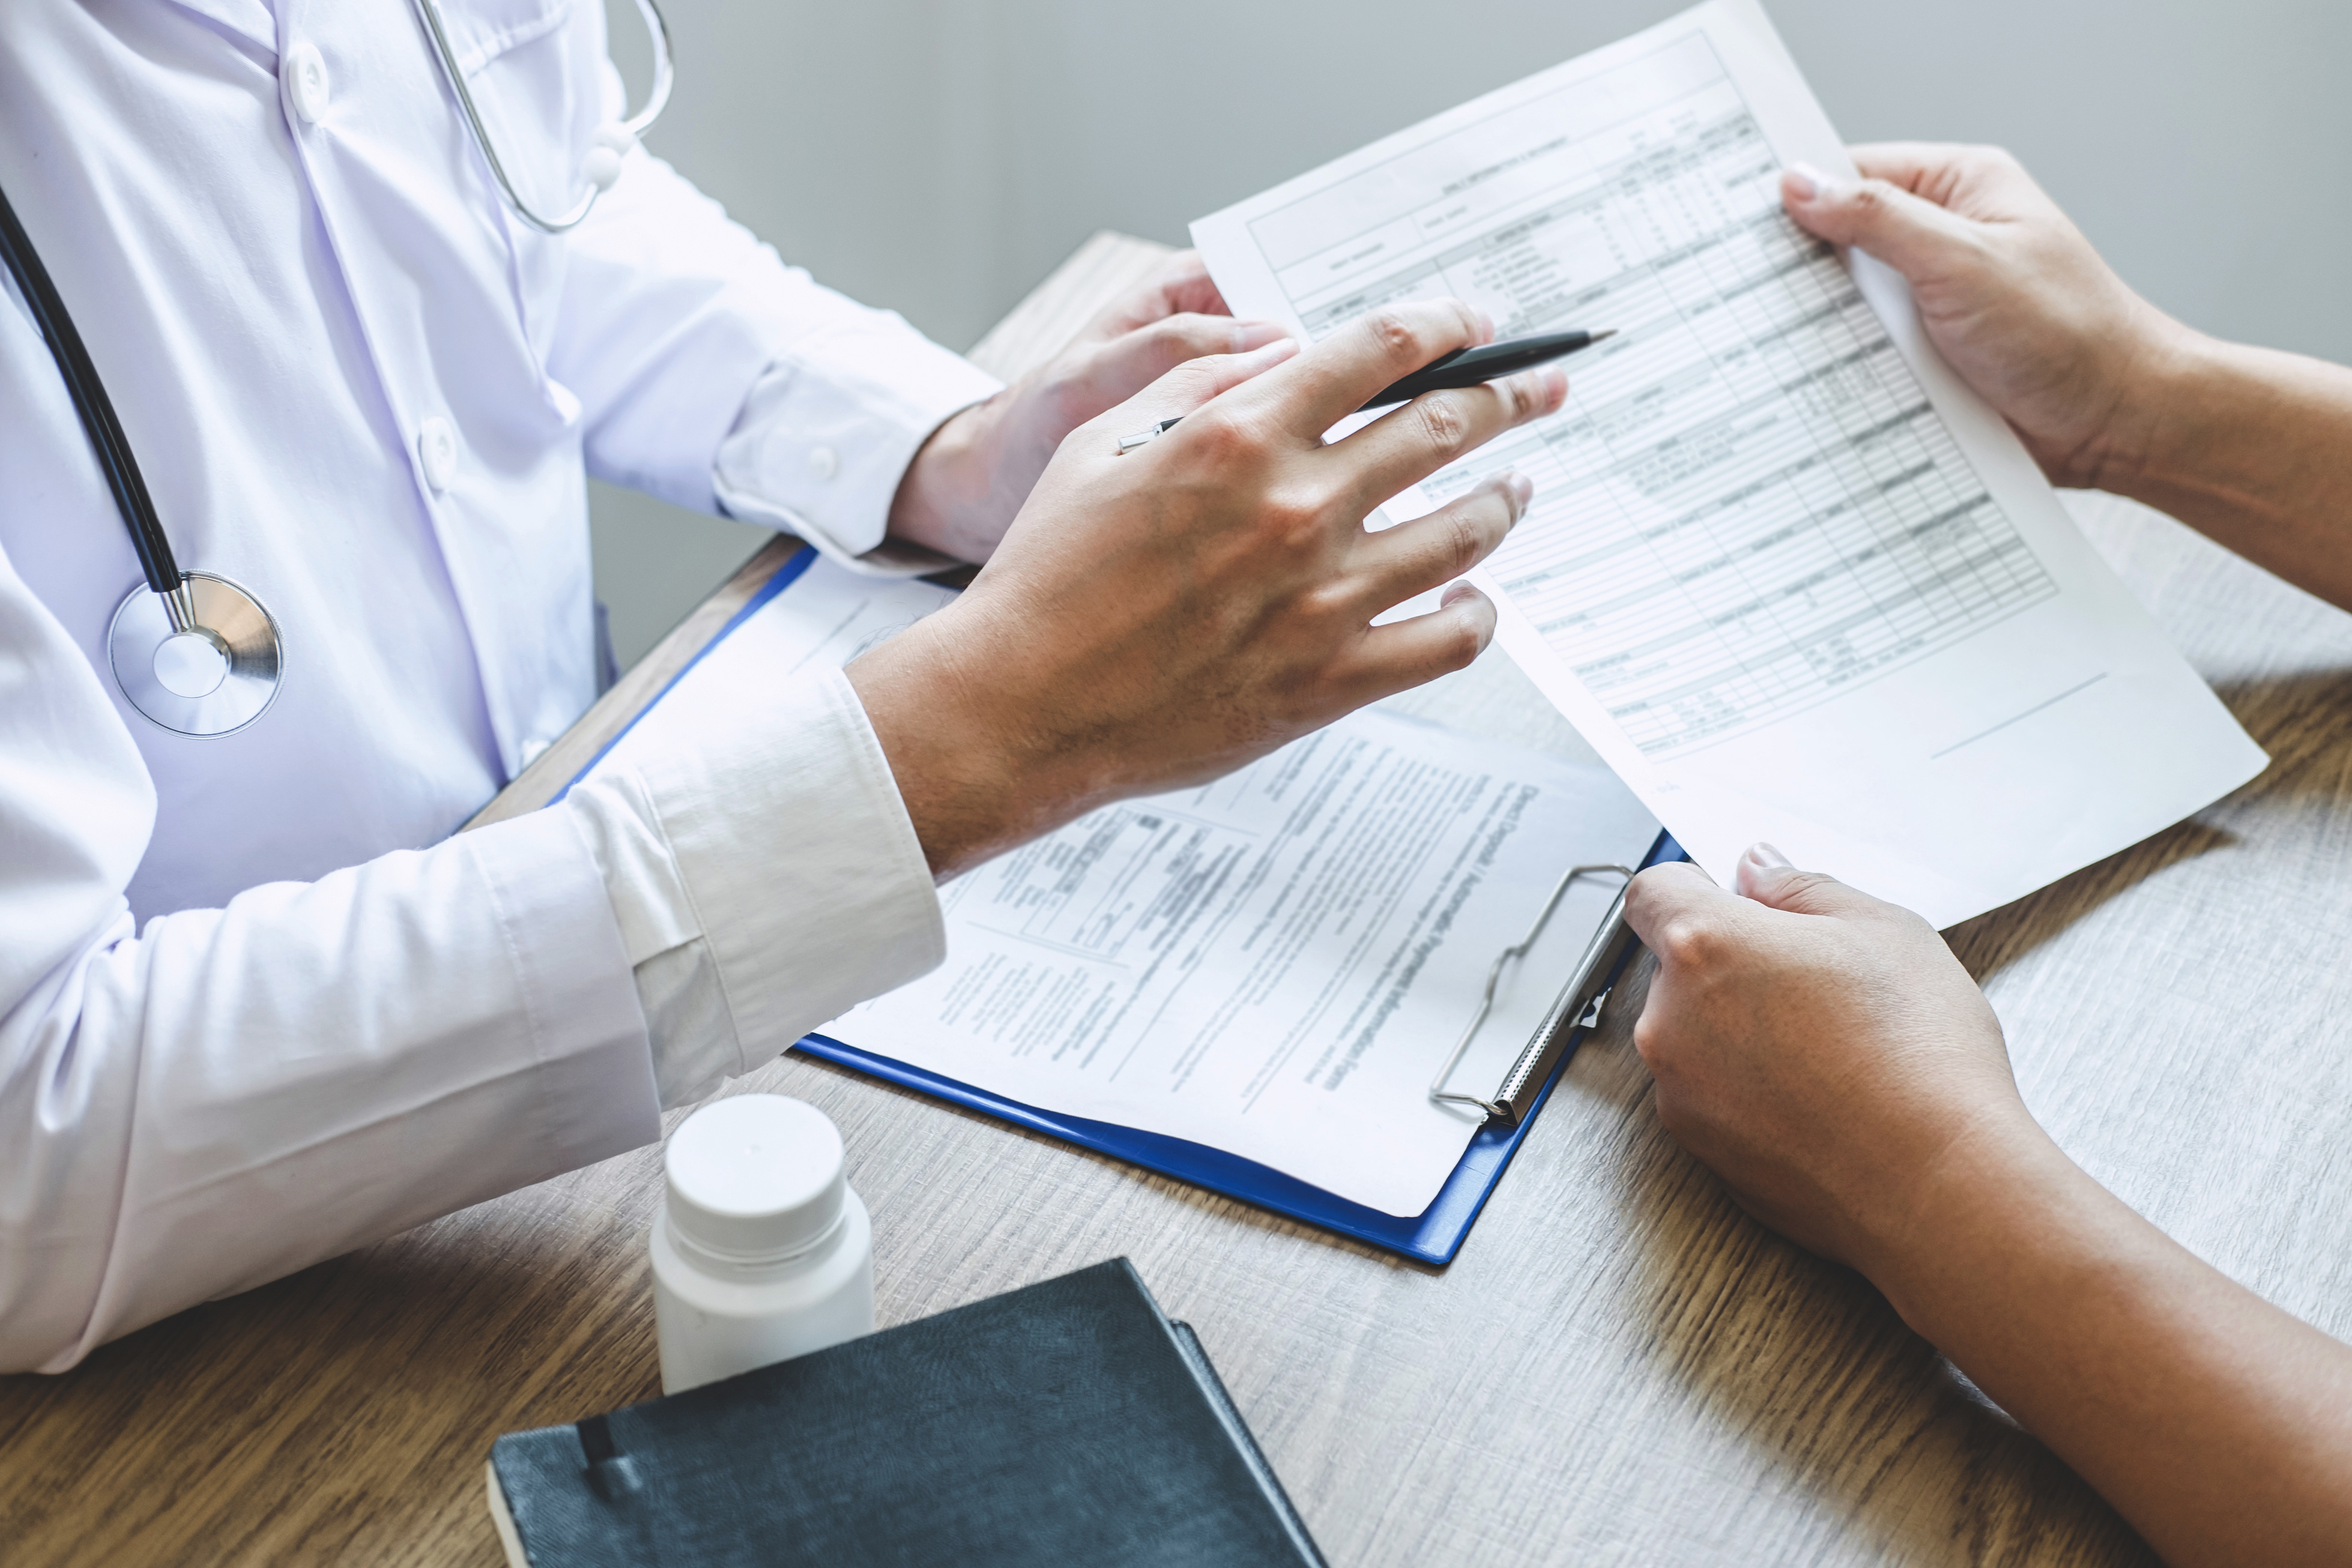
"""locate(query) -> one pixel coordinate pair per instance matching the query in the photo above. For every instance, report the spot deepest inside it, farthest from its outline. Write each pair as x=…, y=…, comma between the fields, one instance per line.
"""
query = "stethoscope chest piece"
x=214, y=679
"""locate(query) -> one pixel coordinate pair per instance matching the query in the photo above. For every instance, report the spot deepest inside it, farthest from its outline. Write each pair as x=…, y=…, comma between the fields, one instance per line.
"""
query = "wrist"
x=2157, y=379
x=977, y=778
x=1966, y=1213
x=947, y=481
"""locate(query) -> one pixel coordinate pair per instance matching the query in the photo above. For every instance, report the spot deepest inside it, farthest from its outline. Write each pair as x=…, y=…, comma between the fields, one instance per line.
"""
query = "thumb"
x=1765, y=875
x=1675, y=897
x=1139, y=357
x=1195, y=383
x=1910, y=233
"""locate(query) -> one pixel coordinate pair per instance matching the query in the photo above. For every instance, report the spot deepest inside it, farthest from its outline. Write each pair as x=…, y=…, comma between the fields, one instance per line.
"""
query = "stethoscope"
x=193, y=652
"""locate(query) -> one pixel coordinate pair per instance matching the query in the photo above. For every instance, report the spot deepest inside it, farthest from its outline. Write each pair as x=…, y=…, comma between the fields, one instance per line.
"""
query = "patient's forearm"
x=2218, y=1425
x=2253, y=448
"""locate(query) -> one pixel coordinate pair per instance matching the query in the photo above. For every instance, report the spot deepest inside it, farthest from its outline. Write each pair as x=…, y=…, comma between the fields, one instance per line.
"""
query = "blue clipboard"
x=1432, y=1236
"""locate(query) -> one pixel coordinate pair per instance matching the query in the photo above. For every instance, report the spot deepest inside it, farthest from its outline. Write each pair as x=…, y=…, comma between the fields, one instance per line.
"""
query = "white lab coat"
x=255, y=1007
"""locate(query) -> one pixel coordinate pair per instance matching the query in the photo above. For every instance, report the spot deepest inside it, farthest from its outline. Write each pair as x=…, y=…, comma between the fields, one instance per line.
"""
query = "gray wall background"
x=941, y=156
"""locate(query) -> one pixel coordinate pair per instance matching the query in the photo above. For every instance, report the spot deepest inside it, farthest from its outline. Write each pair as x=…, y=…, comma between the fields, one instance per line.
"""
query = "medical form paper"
x=1274, y=965
x=1793, y=580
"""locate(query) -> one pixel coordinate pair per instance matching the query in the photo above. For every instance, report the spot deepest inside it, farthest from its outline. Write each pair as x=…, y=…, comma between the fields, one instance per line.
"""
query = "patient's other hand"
x=1822, y=1051
x=2011, y=293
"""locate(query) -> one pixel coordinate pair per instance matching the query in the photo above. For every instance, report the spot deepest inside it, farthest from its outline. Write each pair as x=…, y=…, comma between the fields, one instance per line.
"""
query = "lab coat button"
x=436, y=451
x=823, y=462
x=306, y=82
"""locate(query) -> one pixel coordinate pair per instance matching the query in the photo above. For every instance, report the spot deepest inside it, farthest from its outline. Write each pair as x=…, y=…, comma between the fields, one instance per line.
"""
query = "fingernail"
x=1280, y=349
x=1486, y=325
x=1768, y=857
x=1809, y=183
x=1511, y=483
x=1554, y=384
x=1248, y=335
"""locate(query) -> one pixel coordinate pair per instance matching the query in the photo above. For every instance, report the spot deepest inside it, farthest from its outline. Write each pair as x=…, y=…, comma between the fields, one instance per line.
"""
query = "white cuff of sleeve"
x=763, y=868
x=826, y=436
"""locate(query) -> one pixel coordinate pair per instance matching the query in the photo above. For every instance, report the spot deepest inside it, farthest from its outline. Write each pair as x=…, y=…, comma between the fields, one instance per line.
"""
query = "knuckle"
x=1462, y=644
x=1461, y=541
x=1443, y=425
x=1468, y=644
x=1649, y=1039
x=1228, y=435
x=1190, y=337
x=1687, y=940
x=1913, y=923
x=1331, y=602
x=1290, y=514
x=1396, y=331
x=1804, y=883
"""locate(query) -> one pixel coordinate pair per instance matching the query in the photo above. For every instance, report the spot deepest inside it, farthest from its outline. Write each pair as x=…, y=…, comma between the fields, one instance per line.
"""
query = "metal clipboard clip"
x=1578, y=1007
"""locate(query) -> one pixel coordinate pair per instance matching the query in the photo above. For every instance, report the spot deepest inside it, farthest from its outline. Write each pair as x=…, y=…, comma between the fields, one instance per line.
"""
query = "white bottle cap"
x=754, y=1179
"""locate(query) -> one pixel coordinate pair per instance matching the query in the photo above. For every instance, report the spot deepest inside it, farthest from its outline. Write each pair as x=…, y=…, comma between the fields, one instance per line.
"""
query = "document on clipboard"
x=1272, y=966
x=1791, y=578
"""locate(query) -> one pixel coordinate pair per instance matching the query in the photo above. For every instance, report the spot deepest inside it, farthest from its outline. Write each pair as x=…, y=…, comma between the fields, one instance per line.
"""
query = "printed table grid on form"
x=1749, y=505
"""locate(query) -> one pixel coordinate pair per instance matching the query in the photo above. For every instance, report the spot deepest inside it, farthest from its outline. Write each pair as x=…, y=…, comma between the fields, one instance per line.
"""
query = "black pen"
x=1461, y=368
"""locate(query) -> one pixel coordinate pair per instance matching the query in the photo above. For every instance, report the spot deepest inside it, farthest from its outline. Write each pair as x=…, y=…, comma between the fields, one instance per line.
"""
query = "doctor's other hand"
x=1822, y=1051
x=971, y=478
x=2012, y=294
x=1157, y=618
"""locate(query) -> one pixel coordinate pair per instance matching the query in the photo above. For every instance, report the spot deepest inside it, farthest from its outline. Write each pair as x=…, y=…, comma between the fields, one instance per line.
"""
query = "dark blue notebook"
x=1070, y=1422
x=1432, y=1236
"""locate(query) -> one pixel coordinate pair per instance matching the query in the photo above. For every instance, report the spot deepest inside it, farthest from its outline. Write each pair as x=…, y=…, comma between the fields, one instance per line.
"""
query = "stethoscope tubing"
x=95, y=409
x=250, y=660
x=657, y=99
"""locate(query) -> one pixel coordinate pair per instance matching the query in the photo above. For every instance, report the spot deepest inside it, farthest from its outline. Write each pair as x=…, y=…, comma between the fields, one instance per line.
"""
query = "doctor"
x=257, y=1007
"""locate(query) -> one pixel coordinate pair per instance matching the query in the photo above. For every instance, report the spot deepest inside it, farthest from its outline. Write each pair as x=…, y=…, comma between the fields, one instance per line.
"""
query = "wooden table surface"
x=1619, y=1368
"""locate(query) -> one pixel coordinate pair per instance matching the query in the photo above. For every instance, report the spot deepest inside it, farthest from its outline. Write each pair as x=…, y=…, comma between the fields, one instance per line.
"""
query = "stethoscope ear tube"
x=96, y=409
x=604, y=166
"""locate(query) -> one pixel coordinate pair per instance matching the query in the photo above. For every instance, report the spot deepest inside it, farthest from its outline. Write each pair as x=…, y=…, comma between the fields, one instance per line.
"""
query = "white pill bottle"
x=760, y=1251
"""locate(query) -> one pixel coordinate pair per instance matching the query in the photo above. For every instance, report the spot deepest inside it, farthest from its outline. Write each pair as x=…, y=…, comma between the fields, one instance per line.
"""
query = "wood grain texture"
x=1621, y=1367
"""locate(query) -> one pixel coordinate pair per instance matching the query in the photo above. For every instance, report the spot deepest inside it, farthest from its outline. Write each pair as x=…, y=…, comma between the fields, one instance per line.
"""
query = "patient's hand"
x=2010, y=291
x=1826, y=1055
x=1822, y=1051
x=969, y=479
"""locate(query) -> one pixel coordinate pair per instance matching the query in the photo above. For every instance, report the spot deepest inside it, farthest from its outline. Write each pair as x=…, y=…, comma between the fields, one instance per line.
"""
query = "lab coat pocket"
x=535, y=70
x=534, y=79
x=481, y=30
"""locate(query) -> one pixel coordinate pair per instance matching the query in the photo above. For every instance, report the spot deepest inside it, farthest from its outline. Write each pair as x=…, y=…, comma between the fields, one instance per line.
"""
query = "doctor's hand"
x=971, y=478
x=1822, y=1051
x=2011, y=293
x=1157, y=618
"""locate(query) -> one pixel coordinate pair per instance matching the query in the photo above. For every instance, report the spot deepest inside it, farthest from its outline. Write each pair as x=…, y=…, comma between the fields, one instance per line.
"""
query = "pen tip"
x=1598, y=337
